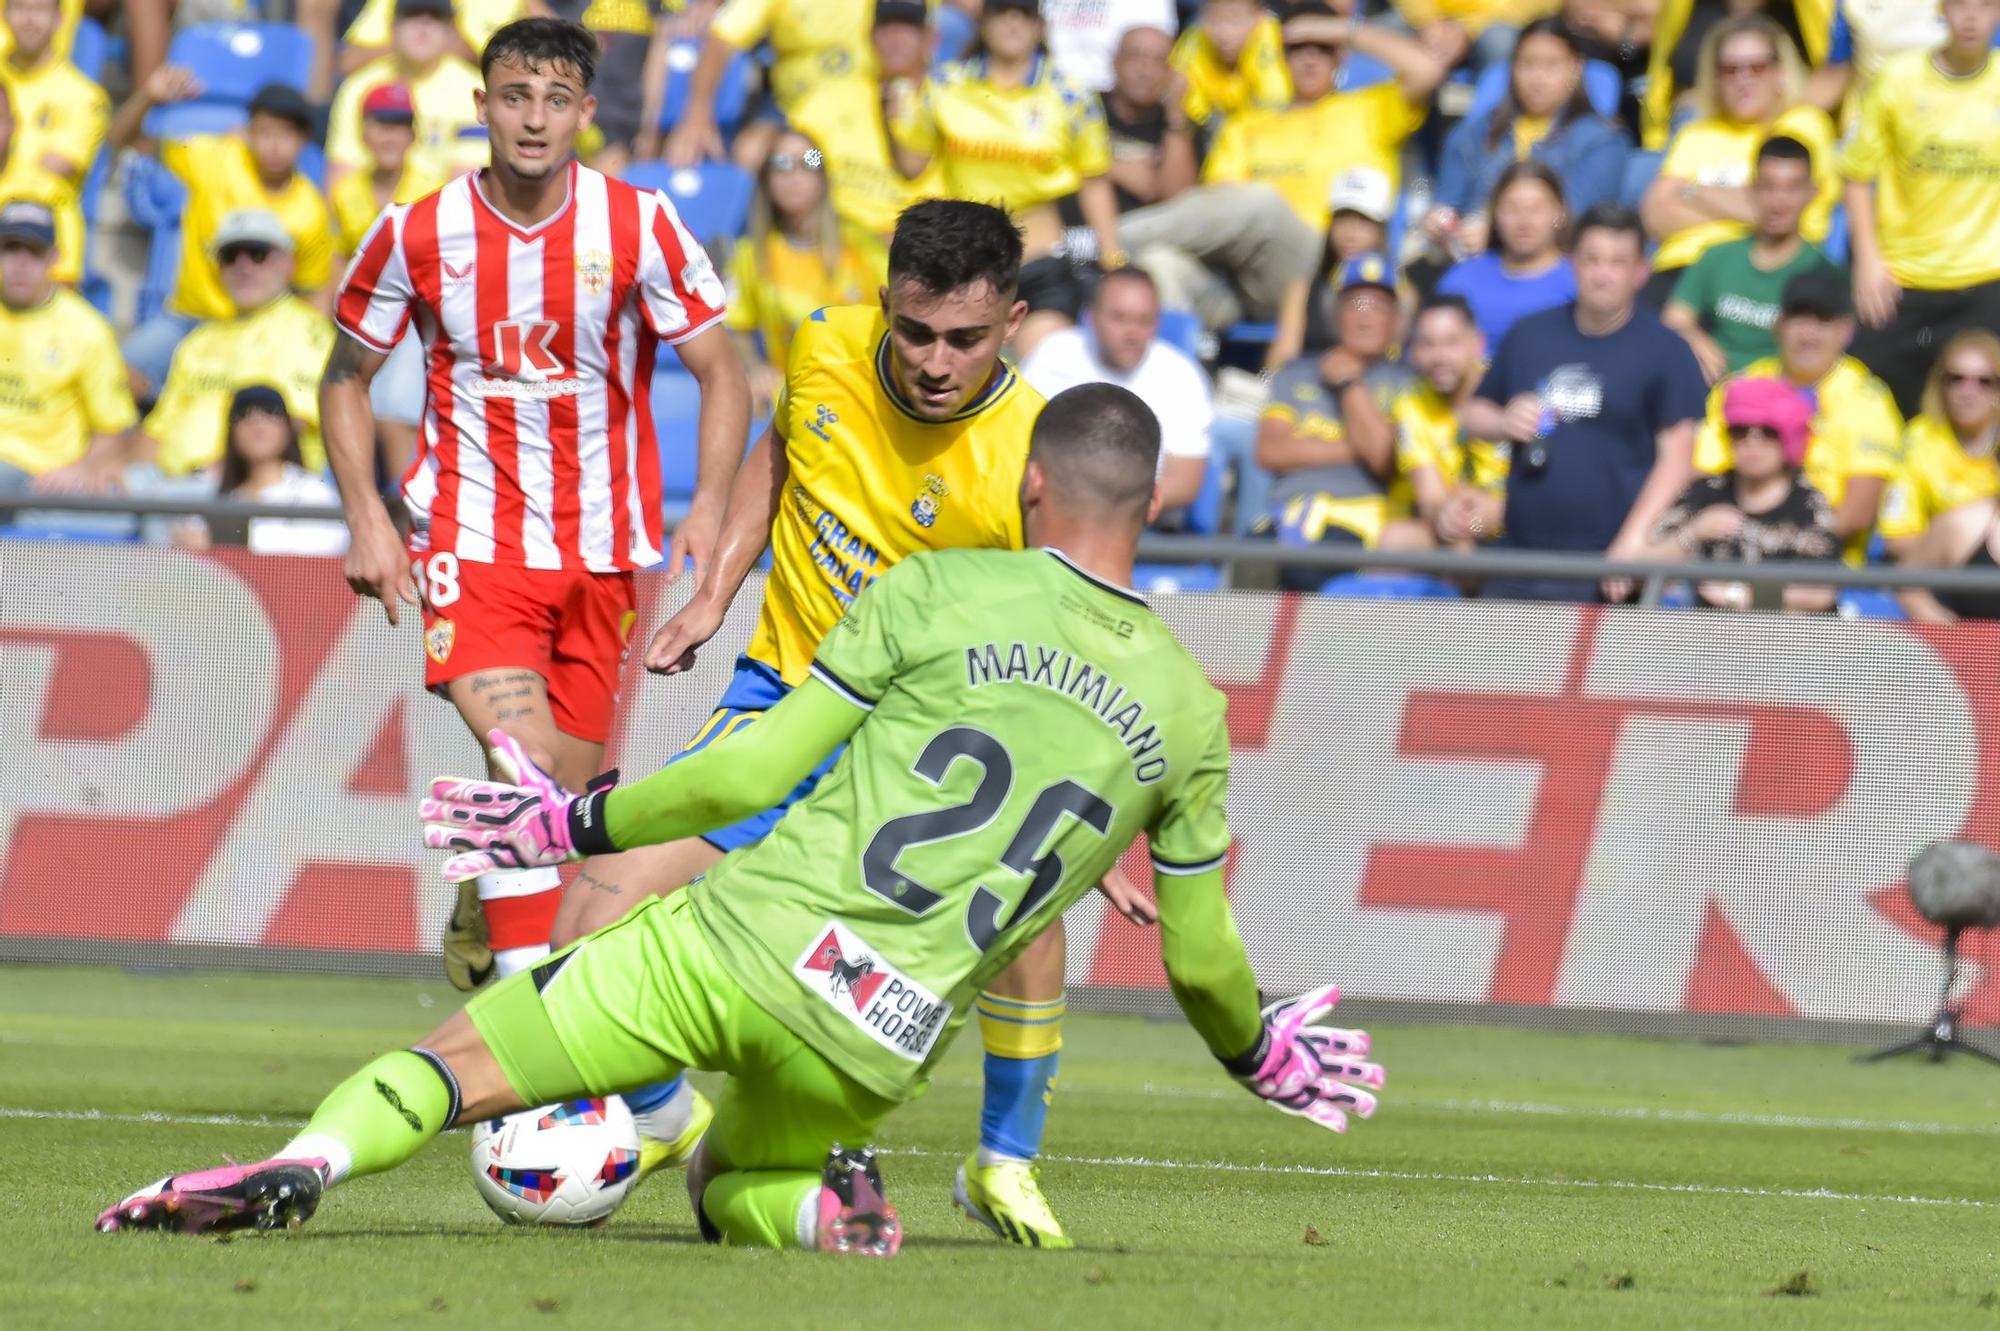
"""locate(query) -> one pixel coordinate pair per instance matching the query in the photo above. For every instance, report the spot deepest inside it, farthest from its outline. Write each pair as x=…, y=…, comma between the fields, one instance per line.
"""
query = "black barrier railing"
x=1235, y=553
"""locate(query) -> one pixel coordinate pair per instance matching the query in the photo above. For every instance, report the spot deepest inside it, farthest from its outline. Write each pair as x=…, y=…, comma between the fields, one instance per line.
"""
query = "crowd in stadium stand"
x=1657, y=279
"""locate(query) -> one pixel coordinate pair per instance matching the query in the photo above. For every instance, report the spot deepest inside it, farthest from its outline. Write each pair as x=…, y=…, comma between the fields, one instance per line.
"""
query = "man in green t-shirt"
x=1727, y=301
x=1013, y=719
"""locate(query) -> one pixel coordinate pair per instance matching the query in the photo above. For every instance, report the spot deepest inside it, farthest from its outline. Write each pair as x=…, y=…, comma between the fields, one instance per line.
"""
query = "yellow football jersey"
x=1428, y=435
x=1930, y=145
x=1258, y=81
x=1938, y=475
x=1856, y=431
x=285, y=345
x=810, y=40
x=1298, y=151
x=222, y=179
x=871, y=481
x=1723, y=152
x=61, y=382
x=1017, y=147
x=57, y=113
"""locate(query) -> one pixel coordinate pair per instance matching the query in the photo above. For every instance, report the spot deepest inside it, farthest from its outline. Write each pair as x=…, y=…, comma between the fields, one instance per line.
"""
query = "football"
x=566, y=1164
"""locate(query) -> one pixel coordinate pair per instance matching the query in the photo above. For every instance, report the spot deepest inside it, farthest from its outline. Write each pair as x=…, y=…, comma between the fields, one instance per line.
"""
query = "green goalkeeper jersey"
x=1026, y=722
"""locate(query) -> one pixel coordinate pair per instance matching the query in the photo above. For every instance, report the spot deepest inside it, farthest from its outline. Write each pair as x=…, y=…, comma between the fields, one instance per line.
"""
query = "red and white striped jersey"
x=537, y=443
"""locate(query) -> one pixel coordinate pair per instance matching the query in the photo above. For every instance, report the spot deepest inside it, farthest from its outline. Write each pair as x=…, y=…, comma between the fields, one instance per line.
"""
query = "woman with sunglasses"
x=1761, y=510
x=1749, y=88
x=1941, y=511
x=1007, y=129
x=793, y=259
x=1545, y=115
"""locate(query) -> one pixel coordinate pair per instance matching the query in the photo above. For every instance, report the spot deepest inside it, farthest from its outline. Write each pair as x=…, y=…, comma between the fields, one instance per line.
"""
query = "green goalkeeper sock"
x=379, y=1117
x=765, y=1208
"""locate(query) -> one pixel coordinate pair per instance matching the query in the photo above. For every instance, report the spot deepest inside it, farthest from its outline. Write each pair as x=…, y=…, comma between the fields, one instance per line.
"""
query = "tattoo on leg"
x=585, y=878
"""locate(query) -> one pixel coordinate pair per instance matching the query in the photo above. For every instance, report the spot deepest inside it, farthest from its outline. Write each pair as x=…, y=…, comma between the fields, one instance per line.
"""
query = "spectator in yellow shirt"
x=1923, y=199
x=1854, y=448
x=1006, y=128
x=450, y=139
x=64, y=406
x=392, y=175
x=60, y=118
x=1677, y=31
x=1749, y=87
x=1458, y=485
x=810, y=40
x=792, y=261
x=276, y=338
x=1949, y=449
x=1473, y=33
x=850, y=115
x=226, y=174
x=1231, y=61
x=1298, y=151
x=372, y=33
x=1940, y=510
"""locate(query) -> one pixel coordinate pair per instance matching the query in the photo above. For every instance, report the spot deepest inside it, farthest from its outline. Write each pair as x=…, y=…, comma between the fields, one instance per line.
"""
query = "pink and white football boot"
x=854, y=1216
x=271, y=1194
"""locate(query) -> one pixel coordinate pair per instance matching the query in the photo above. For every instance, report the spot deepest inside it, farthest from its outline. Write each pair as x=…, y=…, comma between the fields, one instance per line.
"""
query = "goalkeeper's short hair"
x=1100, y=444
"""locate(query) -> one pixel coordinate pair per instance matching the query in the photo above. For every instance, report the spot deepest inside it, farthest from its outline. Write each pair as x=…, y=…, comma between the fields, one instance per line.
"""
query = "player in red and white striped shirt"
x=542, y=291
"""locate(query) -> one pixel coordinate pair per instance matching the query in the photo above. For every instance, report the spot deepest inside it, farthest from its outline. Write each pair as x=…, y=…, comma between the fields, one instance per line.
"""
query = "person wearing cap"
x=423, y=57
x=1545, y=114
x=1363, y=202
x=261, y=463
x=1923, y=200
x=1853, y=448
x=1325, y=131
x=849, y=116
x=1727, y=301
x=810, y=40
x=60, y=119
x=393, y=174
x=1763, y=510
x=1230, y=61
x=64, y=405
x=1326, y=437
x=1008, y=129
x=1121, y=345
x=255, y=170
x=276, y=338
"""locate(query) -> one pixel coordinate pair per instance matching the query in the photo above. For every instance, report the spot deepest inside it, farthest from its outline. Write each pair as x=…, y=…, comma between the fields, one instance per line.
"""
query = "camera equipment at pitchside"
x=1954, y=884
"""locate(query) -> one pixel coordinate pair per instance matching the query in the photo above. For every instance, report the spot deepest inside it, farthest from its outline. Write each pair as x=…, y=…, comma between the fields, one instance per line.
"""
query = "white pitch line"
x=1639, y=1113
x=1144, y=1162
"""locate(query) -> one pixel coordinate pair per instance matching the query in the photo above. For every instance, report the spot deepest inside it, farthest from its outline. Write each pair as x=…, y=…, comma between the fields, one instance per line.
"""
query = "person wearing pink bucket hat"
x=1759, y=511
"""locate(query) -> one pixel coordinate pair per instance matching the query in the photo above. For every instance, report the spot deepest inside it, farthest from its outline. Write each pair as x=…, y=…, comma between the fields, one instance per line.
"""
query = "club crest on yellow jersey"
x=925, y=510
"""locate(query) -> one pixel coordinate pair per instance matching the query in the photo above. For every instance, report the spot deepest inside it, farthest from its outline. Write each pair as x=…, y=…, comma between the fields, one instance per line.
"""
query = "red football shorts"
x=569, y=627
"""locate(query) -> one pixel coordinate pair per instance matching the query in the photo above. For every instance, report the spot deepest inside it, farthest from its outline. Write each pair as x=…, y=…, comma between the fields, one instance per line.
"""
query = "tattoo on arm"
x=345, y=362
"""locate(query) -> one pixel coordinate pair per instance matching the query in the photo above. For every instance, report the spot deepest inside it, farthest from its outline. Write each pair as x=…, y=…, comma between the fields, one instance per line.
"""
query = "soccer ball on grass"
x=566, y=1164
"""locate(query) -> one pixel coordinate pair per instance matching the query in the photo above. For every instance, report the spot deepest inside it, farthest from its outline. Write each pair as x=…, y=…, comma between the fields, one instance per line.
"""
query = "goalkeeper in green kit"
x=1013, y=719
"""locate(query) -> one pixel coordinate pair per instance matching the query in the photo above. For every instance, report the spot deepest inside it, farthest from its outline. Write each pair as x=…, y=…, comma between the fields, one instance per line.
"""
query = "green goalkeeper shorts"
x=645, y=998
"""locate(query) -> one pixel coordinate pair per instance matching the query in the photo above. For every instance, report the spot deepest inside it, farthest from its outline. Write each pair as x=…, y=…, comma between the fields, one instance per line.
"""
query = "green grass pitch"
x=1511, y=1179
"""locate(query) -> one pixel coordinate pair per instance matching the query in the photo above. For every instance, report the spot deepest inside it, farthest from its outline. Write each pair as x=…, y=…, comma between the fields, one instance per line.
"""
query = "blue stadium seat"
x=1181, y=329
x=234, y=60
x=1150, y=578
x=1360, y=71
x=713, y=199
x=676, y=408
x=1389, y=587
x=954, y=29
x=1870, y=603
x=87, y=50
x=732, y=95
x=312, y=165
x=1600, y=83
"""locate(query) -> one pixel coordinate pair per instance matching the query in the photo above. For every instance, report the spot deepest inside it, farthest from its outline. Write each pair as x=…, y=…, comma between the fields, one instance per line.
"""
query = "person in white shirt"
x=1120, y=345
x=1083, y=34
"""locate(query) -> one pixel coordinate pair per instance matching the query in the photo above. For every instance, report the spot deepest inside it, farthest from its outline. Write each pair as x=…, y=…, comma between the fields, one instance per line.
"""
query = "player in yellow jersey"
x=900, y=429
